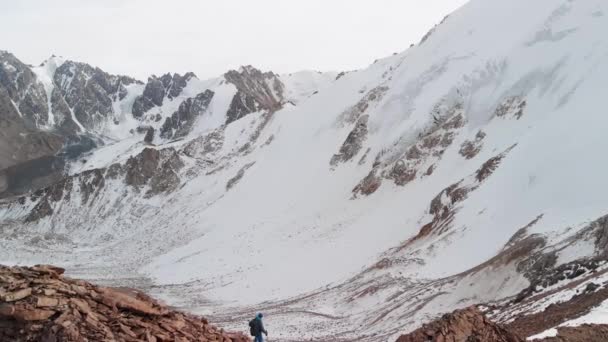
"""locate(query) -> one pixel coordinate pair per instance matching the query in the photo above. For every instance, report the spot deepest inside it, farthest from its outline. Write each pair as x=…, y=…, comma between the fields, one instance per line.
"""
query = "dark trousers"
x=258, y=338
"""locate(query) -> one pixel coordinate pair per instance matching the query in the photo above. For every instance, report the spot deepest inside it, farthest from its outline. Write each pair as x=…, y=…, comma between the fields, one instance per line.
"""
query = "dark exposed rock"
x=149, y=135
x=155, y=168
x=234, y=180
x=256, y=91
x=368, y=185
x=401, y=174
x=513, y=106
x=88, y=93
x=166, y=178
x=431, y=31
x=91, y=182
x=23, y=111
x=353, y=143
x=157, y=89
x=180, y=123
x=141, y=168
x=115, y=171
x=469, y=149
x=24, y=90
x=40, y=211
x=591, y=287
x=599, y=230
x=340, y=75
x=241, y=105
x=404, y=167
x=541, y=271
x=488, y=168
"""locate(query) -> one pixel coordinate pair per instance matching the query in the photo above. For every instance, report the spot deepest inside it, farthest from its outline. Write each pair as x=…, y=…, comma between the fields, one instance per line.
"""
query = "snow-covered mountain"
x=464, y=170
x=61, y=109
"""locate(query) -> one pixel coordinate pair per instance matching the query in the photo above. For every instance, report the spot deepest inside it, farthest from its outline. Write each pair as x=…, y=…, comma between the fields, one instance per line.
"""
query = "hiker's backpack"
x=252, y=326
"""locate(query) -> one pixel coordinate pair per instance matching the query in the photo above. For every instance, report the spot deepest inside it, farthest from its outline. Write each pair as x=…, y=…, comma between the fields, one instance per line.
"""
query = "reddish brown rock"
x=468, y=325
x=39, y=304
x=583, y=333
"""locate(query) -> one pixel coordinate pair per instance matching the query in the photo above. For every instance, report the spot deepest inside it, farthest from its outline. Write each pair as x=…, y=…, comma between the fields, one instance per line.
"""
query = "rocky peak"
x=21, y=88
x=23, y=110
x=256, y=91
x=39, y=304
x=157, y=88
x=88, y=93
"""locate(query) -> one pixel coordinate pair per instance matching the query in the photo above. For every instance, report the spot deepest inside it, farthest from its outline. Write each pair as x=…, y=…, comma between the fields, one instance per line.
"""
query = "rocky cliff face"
x=256, y=91
x=23, y=110
x=40, y=304
x=151, y=171
x=180, y=123
x=157, y=89
x=50, y=114
x=22, y=89
x=83, y=96
x=56, y=112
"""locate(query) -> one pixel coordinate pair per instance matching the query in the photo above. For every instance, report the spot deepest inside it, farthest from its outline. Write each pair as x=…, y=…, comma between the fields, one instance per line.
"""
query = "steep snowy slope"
x=460, y=171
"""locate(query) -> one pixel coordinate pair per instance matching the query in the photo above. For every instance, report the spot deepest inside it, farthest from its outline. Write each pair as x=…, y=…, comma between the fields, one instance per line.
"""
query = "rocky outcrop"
x=583, y=333
x=157, y=88
x=180, y=123
x=86, y=95
x=353, y=143
x=23, y=110
x=44, y=124
x=256, y=91
x=466, y=325
x=237, y=178
x=512, y=107
x=470, y=148
x=156, y=168
x=413, y=160
x=578, y=292
x=368, y=185
x=352, y=114
x=40, y=304
x=152, y=171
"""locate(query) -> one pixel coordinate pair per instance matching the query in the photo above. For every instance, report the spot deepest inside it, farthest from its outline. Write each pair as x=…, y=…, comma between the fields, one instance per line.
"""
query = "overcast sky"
x=142, y=37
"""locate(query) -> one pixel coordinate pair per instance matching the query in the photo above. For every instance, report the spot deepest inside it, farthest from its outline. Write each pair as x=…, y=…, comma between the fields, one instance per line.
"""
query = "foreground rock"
x=461, y=326
x=39, y=304
x=583, y=333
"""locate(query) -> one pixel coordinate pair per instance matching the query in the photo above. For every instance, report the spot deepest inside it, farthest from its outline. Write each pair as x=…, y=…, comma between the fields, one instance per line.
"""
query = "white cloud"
x=140, y=37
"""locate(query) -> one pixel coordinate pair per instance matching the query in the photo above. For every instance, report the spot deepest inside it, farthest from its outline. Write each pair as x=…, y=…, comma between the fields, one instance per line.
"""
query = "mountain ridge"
x=461, y=171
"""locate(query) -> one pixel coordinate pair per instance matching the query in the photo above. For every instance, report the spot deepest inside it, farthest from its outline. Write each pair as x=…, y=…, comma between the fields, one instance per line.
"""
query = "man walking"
x=256, y=328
